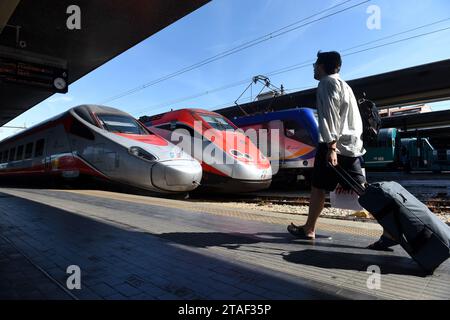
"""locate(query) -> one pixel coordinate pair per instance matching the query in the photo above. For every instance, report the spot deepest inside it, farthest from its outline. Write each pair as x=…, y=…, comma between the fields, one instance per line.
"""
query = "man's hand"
x=332, y=157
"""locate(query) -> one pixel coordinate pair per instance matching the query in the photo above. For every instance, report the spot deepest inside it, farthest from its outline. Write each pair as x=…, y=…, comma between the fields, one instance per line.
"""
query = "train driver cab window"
x=121, y=124
x=29, y=150
x=166, y=126
x=19, y=155
x=39, y=151
x=217, y=122
x=294, y=130
x=5, y=156
x=290, y=133
x=1, y=156
x=12, y=153
x=182, y=126
x=80, y=130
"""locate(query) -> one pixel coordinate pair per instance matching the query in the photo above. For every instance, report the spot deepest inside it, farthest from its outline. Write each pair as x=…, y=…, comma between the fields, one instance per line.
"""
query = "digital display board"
x=45, y=77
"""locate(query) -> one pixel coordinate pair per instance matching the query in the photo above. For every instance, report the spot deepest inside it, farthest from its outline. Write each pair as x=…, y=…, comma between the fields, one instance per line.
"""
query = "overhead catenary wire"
x=367, y=49
x=307, y=63
x=252, y=43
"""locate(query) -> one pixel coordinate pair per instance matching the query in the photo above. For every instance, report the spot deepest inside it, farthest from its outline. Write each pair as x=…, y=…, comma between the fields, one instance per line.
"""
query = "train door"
x=48, y=151
x=104, y=157
x=52, y=147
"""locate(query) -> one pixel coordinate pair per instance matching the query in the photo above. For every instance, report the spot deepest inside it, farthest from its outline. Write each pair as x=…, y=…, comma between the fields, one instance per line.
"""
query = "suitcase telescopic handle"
x=348, y=179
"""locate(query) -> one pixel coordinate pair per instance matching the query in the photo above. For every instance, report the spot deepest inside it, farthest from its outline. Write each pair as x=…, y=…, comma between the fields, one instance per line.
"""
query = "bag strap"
x=348, y=179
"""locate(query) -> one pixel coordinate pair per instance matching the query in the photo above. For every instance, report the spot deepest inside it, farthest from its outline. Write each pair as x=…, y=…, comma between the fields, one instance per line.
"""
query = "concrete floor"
x=137, y=247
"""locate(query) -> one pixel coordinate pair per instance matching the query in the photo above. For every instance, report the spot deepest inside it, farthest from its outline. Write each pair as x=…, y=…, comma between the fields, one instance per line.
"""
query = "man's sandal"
x=383, y=244
x=298, y=232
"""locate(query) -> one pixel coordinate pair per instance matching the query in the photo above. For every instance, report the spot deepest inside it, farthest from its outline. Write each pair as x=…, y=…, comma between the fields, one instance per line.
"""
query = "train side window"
x=39, y=151
x=29, y=150
x=19, y=155
x=80, y=130
x=5, y=156
x=12, y=153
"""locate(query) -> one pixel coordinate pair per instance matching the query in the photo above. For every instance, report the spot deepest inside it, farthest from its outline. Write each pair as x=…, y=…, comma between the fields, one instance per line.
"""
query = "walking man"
x=340, y=130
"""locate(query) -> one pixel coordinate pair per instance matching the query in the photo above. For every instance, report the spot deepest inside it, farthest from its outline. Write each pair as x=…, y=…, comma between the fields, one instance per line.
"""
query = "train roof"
x=85, y=111
x=82, y=110
x=98, y=109
x=184, y=110
x=274, y=115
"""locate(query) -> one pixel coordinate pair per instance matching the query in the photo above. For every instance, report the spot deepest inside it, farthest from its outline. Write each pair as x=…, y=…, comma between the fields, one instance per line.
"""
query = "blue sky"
x=225, y=24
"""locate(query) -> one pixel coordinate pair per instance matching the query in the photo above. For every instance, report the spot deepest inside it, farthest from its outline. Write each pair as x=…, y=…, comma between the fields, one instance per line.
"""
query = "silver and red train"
x=102, y=142
x=231, y=162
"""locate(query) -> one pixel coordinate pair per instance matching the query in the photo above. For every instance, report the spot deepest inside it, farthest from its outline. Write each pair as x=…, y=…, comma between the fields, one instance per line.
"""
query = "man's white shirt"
x=338, y=116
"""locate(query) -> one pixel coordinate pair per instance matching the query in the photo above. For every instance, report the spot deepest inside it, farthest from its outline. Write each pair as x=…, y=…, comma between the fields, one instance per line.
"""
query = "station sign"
x=33, y=71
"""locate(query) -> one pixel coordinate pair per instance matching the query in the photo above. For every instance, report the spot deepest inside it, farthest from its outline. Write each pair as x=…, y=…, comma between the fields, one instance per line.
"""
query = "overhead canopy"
x=421, y=120
x=36, y=32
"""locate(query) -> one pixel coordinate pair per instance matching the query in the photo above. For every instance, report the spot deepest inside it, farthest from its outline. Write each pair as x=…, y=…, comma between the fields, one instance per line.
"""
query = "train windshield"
x=121, y=124
x=295, y=131
x=217, y=122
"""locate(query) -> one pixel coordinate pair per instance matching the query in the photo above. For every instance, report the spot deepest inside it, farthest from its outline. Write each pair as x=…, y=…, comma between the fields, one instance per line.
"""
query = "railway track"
x=438, y=205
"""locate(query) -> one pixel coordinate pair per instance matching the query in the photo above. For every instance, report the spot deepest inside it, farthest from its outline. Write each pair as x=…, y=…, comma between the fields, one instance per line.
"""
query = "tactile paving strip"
x=224, y=209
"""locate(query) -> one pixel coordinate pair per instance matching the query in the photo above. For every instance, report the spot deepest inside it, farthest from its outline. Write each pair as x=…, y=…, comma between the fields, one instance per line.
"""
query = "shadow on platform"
x=388, y=263
x=235, y=240
x=355, y=261
x=123, y=263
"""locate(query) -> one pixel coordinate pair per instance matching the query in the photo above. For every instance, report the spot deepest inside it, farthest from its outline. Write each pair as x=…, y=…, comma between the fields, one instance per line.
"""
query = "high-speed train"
x=231, y=162
x=297, y=136
x=102, y=142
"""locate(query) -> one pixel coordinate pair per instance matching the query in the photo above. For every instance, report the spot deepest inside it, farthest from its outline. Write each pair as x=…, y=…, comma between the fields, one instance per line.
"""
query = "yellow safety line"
x=220, y=209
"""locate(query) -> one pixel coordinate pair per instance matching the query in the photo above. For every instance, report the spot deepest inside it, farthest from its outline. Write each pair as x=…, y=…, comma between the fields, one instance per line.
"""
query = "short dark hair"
x=331, y=61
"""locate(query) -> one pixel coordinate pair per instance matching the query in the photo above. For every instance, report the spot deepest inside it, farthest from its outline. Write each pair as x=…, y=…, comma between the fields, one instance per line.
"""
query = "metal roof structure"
x=36, y=42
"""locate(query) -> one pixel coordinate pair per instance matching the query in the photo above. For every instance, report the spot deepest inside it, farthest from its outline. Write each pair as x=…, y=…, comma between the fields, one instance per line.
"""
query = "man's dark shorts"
x=325, y=178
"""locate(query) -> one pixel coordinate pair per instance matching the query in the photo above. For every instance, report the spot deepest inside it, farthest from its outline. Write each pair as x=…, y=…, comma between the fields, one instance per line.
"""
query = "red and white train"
x=231, y=162
x=101, y=142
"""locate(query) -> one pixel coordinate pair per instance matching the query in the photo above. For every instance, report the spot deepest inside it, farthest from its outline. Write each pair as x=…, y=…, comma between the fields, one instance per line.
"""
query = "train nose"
x=248, y=172
x=250, y=178
x=177, y=176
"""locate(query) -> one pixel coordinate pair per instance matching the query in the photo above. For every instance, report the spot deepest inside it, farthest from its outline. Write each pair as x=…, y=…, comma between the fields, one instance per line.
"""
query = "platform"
x=138, y=247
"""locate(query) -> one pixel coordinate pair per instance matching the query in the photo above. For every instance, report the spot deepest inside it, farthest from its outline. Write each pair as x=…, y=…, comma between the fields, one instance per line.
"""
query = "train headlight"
x=236, y=153
x=141, y=153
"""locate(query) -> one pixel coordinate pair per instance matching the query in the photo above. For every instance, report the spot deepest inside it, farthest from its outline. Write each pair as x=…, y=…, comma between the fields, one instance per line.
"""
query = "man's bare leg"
x=316, y=205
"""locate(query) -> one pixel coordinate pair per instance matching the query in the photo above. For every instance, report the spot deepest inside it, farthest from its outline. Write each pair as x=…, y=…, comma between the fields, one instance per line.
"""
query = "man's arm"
x=328, y=112
x=329, y=118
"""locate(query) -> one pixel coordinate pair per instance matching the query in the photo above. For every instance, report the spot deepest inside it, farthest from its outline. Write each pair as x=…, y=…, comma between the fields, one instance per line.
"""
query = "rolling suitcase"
x=419, y=231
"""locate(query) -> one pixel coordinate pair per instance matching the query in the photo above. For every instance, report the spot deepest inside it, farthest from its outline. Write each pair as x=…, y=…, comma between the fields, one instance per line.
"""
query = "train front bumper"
x=177, y=175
